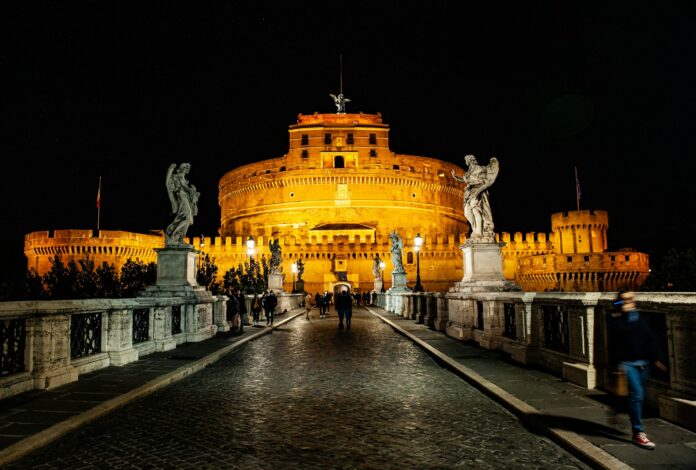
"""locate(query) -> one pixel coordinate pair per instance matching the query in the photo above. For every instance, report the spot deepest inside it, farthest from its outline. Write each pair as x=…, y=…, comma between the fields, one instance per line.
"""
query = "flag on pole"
x=577, y=188
x=99, y=194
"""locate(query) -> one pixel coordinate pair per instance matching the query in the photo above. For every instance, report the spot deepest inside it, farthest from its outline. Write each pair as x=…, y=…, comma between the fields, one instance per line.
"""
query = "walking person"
x=344, y=304
x=243, y=314
x=269, y=303
x=308, y=300
x=327, y=303
x=633, y=349
x=319, y=304
x=256, y=308
x=233, y=316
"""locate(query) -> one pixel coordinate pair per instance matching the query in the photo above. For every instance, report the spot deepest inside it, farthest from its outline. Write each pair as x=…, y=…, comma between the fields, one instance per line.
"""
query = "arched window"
x=409, y=257
x=339, y=162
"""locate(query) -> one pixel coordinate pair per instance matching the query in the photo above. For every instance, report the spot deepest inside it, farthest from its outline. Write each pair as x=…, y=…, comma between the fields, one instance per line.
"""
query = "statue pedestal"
x=176, y=274
x=399, y=283
x=483, y=269
x=299, y=287
x=275, y=282
x=379, y=283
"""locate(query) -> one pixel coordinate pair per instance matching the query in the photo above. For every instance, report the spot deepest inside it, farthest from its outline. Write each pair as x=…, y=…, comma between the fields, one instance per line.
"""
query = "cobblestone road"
x=310, y=396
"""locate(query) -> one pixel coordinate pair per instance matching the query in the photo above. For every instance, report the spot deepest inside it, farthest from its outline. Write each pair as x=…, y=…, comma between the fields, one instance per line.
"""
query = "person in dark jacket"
x=344, y=307
x=243, y=314
x=269, y=302
x=633, y=350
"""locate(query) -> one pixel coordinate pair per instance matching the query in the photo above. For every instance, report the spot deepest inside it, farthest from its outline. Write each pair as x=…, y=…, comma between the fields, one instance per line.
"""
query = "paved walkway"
x=580, y=420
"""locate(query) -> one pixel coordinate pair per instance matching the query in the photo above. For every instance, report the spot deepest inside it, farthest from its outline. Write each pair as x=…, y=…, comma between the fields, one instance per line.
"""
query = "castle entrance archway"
x=339, y=286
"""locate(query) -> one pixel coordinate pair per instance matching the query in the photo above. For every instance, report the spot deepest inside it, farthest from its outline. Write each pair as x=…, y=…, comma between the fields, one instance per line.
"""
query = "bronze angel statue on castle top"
x=340, y=102
x=184, y=199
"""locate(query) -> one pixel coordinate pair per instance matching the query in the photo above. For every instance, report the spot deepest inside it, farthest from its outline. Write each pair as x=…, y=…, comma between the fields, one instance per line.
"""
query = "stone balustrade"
x=46, y=344
x=566, y=334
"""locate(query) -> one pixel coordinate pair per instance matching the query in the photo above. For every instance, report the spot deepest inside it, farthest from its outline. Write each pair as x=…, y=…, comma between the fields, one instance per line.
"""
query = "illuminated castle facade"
x=332, y=201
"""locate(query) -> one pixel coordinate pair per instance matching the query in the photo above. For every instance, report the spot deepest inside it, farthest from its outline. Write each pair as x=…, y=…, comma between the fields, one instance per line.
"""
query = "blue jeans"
x=637, y=373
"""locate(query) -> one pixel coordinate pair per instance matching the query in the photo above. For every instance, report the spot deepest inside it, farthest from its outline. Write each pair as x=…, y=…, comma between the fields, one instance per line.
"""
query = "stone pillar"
x=119, y=342
x=442, y=312
x=483, y=269
x=220, y=313
x=162, y=329
x=51, y=353
x=379, y=283
x=275, y=282
x=399, y=282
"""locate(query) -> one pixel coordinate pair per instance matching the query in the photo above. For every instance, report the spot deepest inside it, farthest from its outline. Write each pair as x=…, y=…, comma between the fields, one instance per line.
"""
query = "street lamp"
x=418, y=241
x=250, y=247
x=382, y=264
x=293, y=267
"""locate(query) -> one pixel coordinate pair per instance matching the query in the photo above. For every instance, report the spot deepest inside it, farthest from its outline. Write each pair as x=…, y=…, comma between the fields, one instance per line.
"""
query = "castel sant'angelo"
x=333, y=200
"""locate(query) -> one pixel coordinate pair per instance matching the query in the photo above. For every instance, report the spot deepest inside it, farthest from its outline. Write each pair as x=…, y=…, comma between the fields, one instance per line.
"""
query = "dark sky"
x=122, y=89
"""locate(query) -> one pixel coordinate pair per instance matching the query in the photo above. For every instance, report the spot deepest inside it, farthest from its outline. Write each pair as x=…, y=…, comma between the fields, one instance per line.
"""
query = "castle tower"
x=580, y=231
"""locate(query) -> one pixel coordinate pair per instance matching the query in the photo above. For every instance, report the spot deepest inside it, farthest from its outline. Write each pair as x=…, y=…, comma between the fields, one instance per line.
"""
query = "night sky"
x=123, y=89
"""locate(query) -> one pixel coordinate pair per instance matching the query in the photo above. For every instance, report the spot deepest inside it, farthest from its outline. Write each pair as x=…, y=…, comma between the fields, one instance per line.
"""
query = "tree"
x=59, y=280
x=86, y=280
x=135, y=276
x=206, y=274
x=675, y=271
x=108, y=285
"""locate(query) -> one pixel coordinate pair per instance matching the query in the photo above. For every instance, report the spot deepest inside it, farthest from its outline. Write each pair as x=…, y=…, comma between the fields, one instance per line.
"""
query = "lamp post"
x=293, y=267
x=382, y=264
x=418, y=242
x=201, y=245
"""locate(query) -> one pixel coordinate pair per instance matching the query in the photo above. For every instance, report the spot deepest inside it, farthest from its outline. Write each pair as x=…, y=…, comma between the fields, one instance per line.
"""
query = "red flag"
x=99, y=194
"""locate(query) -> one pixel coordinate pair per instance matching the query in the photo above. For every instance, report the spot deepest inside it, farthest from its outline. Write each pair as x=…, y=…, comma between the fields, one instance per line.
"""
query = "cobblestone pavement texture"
x=311, y=396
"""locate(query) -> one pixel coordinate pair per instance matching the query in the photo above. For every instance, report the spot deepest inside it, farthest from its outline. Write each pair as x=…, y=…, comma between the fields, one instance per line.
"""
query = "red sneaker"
x=641, y=440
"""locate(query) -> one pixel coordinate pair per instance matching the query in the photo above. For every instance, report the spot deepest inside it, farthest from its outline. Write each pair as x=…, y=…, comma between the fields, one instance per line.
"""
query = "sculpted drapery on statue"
x=300, y=269
x=477, y=207
x=184, y=199
x=396, y=251
x=276, y=256
x=376, y=268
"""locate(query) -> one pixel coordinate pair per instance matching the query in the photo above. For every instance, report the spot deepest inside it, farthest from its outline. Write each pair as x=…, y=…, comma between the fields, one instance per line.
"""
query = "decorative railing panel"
x=176, y=319
x=510, y=325
x=141, y=325
x=12, y=342
x=556, y=328
x=85, y=334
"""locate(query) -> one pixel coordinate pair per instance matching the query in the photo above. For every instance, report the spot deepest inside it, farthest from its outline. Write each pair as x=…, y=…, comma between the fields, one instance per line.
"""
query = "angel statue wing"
x=334, y=97
x=346, y=100
x=171, y=187
x=492, y=171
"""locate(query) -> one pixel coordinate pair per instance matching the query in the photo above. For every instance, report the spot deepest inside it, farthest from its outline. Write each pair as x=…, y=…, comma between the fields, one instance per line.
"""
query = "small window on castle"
x=409, y=257
x=612, y=257
x=373, y=153
x=282, y=168
x=587, y=259
x=305, y=139
x=396, y=167
x=627, y=258
x=569, y=259
x=350, y=139
x=305, y=154
x=327, y=139
x=373, y=139
x=339, y=162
